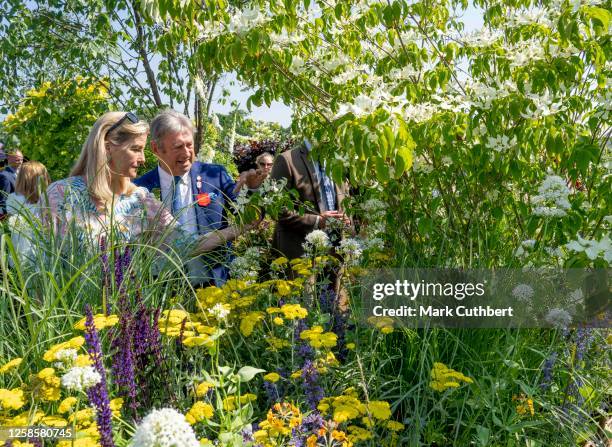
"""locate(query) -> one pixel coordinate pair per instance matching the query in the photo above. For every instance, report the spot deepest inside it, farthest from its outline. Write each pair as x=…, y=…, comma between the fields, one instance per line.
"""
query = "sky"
x=281, y=113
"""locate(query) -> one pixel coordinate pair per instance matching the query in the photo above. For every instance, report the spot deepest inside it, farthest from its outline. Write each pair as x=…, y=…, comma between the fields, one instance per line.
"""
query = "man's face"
x=15, y=159
x=175, y=152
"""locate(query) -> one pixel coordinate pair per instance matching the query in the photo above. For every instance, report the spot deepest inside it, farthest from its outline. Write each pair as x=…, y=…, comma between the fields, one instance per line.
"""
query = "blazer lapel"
x=201, y=219
x=314, y=178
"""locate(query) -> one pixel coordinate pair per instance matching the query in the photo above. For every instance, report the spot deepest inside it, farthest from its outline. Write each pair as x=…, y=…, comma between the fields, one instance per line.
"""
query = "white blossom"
x=317, y=240
x=246, y=20
x=351, y=249
x=592, y=248
x=81, y=378
x=552, y=199
x=523, y=292
x=543, y=105
x=501, y=143
x=164, y=428
x=220, y=311
x=482, y=38
x=558, y=318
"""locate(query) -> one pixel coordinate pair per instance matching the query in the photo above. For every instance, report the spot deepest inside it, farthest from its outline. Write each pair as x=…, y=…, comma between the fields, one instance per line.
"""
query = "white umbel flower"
x=523, y=292
x=81, y=378
x=317, y=240
x=164, y=428
x=558, y=318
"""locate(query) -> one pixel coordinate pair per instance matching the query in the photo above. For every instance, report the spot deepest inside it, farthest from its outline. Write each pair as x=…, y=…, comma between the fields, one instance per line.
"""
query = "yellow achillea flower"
x=278, y=321
x=210, y=296
x=248, y=322
x=279, y=262
x=317, y=338
x=277, y=343
x=443, y=377
x=379, y=409
x=54, y=421
x=173, y=317
x=83, y=360
x=357, y=433
x=293, y=311
x=272, y=377
x=46, y=385
x=202, y=389
x=11, y=399
x=395, y=426
x=116, y=405
x=66, y=405
x=84, y=417
x=11, y=365
x=199, y=340
x=79, y=442
x=101, y=321
x=25, y=418
x=525, y=405
x=199, y=412
x=283, y=288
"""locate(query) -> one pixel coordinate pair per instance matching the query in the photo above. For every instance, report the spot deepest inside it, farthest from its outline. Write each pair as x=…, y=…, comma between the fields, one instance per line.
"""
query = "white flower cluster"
x=81, y=378
x=164, y=428
x=284, y=39
x=316, y=241
x=535, y=16
x=482, y=38
x=420, y=164
x=558, y=318
x=501, y=143
x=525, y=52
x=245, y=20
x=220, y=311
x=482, y=95
x=65, y=358
x=374, y=208
x=373, y=243
x=551, y=200
x=247, y=265
x=524, y=247
x=351, y=249
x=543, y=105
x=593, y=249
x=523, y=292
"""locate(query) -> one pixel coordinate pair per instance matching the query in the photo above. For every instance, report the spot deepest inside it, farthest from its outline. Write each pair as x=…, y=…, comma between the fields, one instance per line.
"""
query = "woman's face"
x=266, y=164
x=125, y=160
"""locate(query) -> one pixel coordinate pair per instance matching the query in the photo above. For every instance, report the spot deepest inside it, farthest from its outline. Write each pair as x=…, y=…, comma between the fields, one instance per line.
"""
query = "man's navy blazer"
x=217, y=183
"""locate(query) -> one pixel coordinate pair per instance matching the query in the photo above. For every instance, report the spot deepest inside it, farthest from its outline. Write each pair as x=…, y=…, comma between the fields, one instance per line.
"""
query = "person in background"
x=8, y=177
x=308, y=177
x=265, y=161
x=31, y=180
x=23, y=209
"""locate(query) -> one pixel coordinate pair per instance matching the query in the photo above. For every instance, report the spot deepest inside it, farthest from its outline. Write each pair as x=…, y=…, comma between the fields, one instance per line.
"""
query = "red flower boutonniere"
x=203, y=199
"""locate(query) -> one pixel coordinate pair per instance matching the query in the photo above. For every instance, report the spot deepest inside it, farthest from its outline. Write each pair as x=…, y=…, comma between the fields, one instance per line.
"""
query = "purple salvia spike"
x=98, y=394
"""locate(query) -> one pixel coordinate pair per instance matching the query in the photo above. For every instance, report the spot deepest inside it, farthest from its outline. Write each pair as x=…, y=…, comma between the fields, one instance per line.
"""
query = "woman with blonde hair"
x=23, y=210
x=100, y=196
x=32, y=179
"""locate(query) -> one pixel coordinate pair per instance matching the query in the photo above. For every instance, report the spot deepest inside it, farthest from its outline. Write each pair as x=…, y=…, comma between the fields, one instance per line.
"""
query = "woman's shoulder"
x=75, y=183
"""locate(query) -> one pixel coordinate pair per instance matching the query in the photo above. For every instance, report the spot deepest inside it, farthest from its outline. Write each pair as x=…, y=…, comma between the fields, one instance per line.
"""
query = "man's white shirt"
x=186, y=216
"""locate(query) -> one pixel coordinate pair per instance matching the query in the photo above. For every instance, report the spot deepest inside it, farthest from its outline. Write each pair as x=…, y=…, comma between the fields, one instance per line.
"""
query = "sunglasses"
x=128, y=116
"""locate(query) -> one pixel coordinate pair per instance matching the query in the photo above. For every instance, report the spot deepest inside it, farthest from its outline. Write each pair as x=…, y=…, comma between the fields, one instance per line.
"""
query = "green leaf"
x=246, y=373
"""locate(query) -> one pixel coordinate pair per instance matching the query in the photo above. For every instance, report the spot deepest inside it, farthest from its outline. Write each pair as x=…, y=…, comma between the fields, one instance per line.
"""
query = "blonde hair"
x=93, y=162
x=263, y=155
x=31, y=180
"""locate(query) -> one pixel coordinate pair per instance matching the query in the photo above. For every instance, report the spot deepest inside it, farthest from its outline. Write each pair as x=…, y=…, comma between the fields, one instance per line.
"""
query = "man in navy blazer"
x=197, y=193
x=8, y=177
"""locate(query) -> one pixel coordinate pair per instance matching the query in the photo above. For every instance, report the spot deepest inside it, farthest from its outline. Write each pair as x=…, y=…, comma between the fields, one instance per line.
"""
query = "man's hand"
x=333, y=215
x=254, y=178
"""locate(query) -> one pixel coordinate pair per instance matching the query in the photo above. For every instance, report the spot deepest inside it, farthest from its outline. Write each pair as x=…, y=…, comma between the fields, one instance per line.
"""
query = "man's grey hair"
x=168, y=121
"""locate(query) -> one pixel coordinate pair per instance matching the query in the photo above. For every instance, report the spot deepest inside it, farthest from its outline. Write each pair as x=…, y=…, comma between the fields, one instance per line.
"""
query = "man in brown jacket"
x=314, y=186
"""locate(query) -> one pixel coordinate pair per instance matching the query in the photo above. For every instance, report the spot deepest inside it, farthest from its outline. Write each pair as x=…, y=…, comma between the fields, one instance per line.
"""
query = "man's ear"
x=154, y=147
